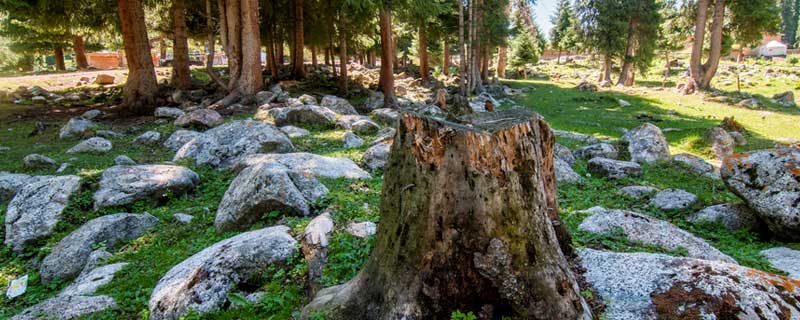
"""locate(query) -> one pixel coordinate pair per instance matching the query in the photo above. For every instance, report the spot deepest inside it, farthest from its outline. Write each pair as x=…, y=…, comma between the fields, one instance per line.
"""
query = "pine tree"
x=789, y=24
x=562, y=37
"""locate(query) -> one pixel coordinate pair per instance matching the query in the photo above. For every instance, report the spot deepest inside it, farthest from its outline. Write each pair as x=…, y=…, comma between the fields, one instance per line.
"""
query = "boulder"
x=338, y=105
x=365, y=126
x=91, y=114
x=564, y=172
x=386, y=115
x=76, y=127
x=732, y=216
x=265, y=97
x=673, y=199
x=36, y=209
x=67, y=307
x=201, y=283
x=69, y=257
x=183, y=218
x=88, y=283
x=347, y=121
x=265, y=188
x=601, y=150
x=564, y=154
x=320, y=166
x=351, y=140
x=169, y=113
x=179, y=138
x=92, y=145
x=648, y=230
x=785, y=99
x=123, y=160
x=37, y=161
x=200, y=118
x=769, y=182
x=227, y=144
x=307, y=99
x=614, y=169
x=317, y=231
x=377, y=156
x=665, y=287
x=300, y=115
x=623, y=103
x=694, y=163
x=637, y=192
x=362, y=229
x=121, y=185
x=108, y=134
x=784, y=259
x=294, y=132
x=646, y=144
x=384, y=135
x=104, y=79
x=722, y=144
x=738, y=137
x=11, y=183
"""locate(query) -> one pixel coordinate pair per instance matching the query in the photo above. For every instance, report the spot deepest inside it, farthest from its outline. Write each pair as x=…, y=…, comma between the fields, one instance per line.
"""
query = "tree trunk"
x=502, y=62
x=162, y=48
x=342, y=58
x=180, y=49
x=298, y=64
x=387, y=56
x=210, y=48
x=607, y=68
x=372, y=59
x=80, y=52
x=446, y=58
x=558, y=58
x=314, y=57
x=703, y=73
x=629, y=52
x=466, y=224
x=250, y=81
x=485, y=61
x=243, y=41
x=58, y=52
x=423, y=55
x=141, y=87
x=462, y=64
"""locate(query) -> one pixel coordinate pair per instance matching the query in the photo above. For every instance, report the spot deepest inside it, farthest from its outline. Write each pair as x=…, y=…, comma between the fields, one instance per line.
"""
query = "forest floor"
x=565, y=108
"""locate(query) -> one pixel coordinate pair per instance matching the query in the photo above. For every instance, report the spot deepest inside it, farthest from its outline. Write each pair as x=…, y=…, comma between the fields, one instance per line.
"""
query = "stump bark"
x=468, y=222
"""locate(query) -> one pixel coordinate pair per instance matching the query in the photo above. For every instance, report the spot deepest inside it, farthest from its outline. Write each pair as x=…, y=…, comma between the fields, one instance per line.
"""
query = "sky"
x=543, y=10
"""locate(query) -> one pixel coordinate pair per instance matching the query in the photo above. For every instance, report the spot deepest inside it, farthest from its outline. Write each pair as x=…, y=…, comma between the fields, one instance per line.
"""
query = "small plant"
x=458, y=315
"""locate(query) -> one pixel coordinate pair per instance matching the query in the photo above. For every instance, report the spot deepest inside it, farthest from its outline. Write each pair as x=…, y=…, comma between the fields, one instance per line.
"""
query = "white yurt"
x=772, y=49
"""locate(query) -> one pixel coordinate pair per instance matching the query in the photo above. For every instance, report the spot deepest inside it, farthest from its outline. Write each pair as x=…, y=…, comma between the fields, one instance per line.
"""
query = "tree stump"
x=466, y=224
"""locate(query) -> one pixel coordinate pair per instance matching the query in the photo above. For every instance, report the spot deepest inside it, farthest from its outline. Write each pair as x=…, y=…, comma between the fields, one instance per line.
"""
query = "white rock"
x=92, y=145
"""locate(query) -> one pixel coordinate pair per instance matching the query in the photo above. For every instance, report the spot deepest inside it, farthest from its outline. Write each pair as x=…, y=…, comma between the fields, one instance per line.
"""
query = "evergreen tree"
x=562, y=36
x=526, y=46
x=604, y=29
x=789, y=16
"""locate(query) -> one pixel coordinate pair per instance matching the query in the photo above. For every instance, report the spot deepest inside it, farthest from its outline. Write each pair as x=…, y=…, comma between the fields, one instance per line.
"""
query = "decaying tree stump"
x=465, y=225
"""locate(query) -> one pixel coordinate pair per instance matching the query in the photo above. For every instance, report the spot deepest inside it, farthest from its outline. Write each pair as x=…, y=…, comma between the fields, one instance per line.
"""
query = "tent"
x=772, y=49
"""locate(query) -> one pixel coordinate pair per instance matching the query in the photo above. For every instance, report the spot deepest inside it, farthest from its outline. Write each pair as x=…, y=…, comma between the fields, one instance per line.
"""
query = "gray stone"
x=294, y=132
x=673, y=199
x=92, y=145
x=39, y=100
x=649, y=230
x=63, y=167
x=564, y=172
x=89, y=282
x=637, y=192
x=769, y=182
x=299, y=115
x=227, y=144
x=202, y=118
x=123, y=160
x=307, y=99
x=265, y=97
x=377, y=156
x=69, y=257
x=738, y=137
x=362, y=229
x=576, y=136
x=365, y=126
x=11, y=183
x=76, y=128
x=36, y=209
x=108, y=134
x=564, y=154
x=374, y=101
x=96, y=258
x=183, y=218
x=646, y=144
x=785, y=99
x=347, y=121
x=732, y=216
x=264, y=188
x=601, y=150
x=654, y=286
x=386, y=115
x=614, y=169
x=351, y=140
x=385, y=134
x=125, y=184
x=37, y=161
x=148, y=138
x=169, y=113
x=179, y=138
x=338, y=105
x=722, y=144
x=201, y=282
x=695, y=163
x=317, y=231
x=91, y=114
x=320, y=166
x=784, y=259
x=66, y=307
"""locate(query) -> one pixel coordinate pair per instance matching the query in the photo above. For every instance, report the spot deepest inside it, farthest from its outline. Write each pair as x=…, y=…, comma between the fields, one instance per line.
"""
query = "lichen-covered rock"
x=92, y=145
x=784, y=259
x=601, y=150
x=123, y=160
x=202, y=118
x=307, y=99
x=649, y=230
x=647, y=144
x=179, y=138
x=227, y=144
x=347, y=121
x=351, y=140
x=67, y=307
x=168, y=112
x=614, y=169
x=264, y=188
x=320, y=166
x=88, y=283
x=265, y=97
x=722, y=144
x=125, y=184
x=36, y=209
x=785, y=99
x=69, y=257
x=637, y=192
x=384, y=135
x=564, y=172
x=362, y=229
x=11, y=183
x=732, y=216
x=769, y=182
x=564, y=154
x=37, y=161
x=148, y=138
x=338, y=105
x=201, y=283
x=299, y=115
x=76, y=128
x=695, y=163
x=673, y=199
x=294, y=132
x=386, y=115
x=91, y=114
x=653, y=286
x=377, y=156
x=365, y=126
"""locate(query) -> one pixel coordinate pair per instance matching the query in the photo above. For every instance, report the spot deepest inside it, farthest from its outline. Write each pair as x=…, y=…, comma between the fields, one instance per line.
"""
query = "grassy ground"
x=565, y=108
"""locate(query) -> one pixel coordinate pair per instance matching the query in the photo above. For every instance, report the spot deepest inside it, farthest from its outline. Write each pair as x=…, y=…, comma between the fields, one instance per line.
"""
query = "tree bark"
x=314, y=57
x=607, y=68
x=342, y=58
x=629, y=52
x=446, y=58
x=141, y=87
x=80, y=52
x=462, y=65
x=181, y=78
x=466, y=224
x=162, y=48
x=387, y=56
x=242, y=39
x=298, y=64
x=502, y=62
x=703, y=73
x=58, y=52
x=210, y=47
x=423, y=54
